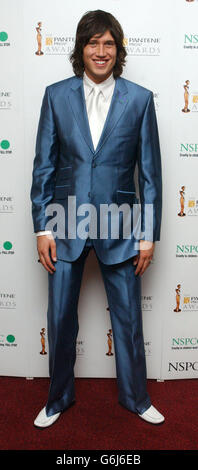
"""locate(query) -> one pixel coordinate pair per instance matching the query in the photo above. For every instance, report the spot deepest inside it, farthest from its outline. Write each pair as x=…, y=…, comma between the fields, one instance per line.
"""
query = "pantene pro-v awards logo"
x=186, y=302
x=190, y=206
x=7, y=300
x=147, y=303
x=5, y=100
x=190, y=99
x=6, y=204
x=52, y=44
x=142, y=46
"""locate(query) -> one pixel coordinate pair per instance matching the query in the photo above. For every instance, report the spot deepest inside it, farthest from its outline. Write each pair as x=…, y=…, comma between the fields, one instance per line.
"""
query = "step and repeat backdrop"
x=161, y=39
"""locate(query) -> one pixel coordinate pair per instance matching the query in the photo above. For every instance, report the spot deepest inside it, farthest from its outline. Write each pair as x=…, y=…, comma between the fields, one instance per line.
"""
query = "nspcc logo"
x=186, y=251
x=189, y=149
x=184, y=343
x=183, y=366
x=190, y=41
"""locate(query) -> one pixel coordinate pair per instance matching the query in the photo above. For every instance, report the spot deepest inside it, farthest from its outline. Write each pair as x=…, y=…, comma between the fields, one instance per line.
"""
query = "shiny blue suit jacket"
x=67, y=164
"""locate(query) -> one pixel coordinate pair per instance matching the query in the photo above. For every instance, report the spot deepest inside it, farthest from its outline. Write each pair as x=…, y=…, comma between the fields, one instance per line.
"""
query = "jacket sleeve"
x=150, y=174
x=44, y=167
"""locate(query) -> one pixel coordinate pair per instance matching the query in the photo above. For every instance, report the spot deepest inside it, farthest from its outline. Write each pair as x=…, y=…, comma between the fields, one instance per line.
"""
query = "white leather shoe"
x=152, y=416
x=42, y=420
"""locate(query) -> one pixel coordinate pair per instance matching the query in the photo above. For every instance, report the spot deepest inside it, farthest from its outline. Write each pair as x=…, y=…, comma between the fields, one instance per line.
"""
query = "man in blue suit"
x=94, y=128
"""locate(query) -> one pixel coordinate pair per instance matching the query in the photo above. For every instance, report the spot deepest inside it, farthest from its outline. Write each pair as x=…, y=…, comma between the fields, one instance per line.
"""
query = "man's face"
x=99, y=57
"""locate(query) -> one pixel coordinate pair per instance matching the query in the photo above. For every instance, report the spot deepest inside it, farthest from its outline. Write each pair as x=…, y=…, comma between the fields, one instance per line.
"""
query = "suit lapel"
x=116, y=109
x=78, y=105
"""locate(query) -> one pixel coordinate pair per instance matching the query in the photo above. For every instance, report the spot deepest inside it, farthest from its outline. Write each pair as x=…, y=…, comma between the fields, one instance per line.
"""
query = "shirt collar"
x=105, y=86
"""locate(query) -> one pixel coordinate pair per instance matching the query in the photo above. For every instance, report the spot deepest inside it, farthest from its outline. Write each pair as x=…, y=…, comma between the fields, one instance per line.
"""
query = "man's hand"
x=143, y=259
x=46, y=246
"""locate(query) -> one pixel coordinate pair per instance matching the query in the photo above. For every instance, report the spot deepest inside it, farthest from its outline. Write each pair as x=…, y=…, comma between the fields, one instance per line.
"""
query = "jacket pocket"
x=63, y=175
x=62, y=191
x=126, y=131
x=126, y=197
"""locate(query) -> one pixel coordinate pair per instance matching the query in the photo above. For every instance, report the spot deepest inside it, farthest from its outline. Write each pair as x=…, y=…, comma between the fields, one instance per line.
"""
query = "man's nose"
x=100, y=51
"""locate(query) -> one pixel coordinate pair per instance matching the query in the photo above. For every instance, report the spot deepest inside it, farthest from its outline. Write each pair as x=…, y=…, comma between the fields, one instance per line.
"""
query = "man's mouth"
x=100, y=63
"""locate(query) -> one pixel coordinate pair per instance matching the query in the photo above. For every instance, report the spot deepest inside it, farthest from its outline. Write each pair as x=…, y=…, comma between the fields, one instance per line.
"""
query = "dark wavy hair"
x=97, y=22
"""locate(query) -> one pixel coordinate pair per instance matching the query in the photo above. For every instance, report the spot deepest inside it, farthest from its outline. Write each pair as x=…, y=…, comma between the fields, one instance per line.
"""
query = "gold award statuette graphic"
x=177, y=309
x=109, y=342
x=39, y=39
x=182, y=193
x=186, y=97
x=42, y=333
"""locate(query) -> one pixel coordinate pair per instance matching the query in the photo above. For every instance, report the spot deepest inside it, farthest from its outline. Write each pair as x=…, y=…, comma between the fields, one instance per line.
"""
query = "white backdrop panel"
x=162, y=55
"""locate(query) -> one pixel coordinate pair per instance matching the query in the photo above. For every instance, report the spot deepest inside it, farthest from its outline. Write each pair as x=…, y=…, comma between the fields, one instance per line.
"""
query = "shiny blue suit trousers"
x=123, y=289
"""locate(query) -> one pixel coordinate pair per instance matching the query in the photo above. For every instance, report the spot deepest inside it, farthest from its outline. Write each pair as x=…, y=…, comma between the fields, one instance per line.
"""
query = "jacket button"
x=94, y=164
x=89, y=194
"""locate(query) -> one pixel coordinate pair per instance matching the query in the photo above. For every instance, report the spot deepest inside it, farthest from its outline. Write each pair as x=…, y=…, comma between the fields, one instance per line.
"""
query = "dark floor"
x=97, y=421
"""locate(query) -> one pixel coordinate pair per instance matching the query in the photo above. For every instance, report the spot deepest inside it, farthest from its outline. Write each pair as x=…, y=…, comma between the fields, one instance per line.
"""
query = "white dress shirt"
x=107, y=88
x=97, y=104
